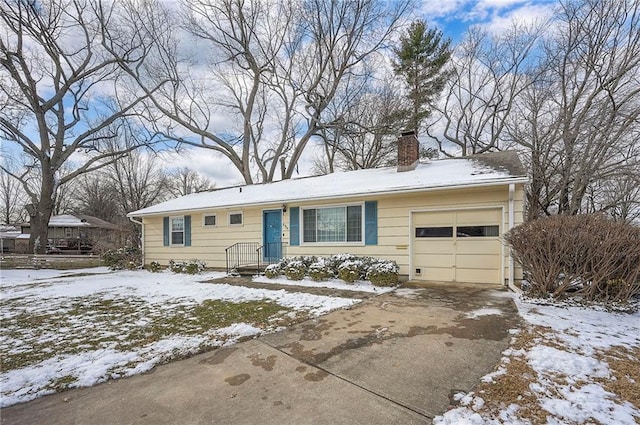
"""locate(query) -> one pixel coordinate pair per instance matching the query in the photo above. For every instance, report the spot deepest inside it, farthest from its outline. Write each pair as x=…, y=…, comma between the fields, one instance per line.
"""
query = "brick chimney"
x=408, y=151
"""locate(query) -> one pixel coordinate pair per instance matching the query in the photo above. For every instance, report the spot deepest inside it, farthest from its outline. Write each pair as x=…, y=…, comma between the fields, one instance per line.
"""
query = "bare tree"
x=66, y=68
x=184, y=181
x=13, y=200
x=140, y=181
x=276, y=67
x=488, y=74
x=366, y=135
x=96, y=195
x=594, y=62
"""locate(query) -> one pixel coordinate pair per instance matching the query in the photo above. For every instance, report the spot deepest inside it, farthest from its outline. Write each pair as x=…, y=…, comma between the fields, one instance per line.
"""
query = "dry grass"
x=623, y=363
x=513, y=387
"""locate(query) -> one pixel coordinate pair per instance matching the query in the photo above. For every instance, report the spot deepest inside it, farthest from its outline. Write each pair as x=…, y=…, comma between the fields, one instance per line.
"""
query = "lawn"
x=567, y=365
x=65, y=329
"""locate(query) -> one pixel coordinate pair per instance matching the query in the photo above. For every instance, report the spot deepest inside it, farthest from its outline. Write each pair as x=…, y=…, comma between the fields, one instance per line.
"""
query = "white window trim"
x=204, y=216
x=234, y=213
x=344, y=243
x=171, y=230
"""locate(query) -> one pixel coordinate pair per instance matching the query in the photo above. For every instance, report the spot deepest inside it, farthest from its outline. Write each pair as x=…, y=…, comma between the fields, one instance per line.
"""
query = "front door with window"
x=272, y=235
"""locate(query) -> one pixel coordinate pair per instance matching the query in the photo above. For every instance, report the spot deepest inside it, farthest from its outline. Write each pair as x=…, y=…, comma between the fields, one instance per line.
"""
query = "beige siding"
x=394, y=233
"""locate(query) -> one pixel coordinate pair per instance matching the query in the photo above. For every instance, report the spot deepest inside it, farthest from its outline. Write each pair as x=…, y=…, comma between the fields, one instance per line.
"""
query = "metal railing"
x=271, y=253
x=253, y=254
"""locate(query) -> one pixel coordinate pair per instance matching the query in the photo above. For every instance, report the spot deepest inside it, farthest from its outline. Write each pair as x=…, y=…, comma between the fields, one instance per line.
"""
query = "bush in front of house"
x=350, y=270
x=319, y=270
x=295, y=270
x=347, y=267
x=154, y=267
x=128, y=258
x=586, y=256
x=383, y=273
x=272, y=271
x=187, y=267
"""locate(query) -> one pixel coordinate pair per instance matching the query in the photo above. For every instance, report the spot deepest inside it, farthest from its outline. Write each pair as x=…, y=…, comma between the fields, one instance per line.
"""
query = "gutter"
x=510, y=181
x=141, y=237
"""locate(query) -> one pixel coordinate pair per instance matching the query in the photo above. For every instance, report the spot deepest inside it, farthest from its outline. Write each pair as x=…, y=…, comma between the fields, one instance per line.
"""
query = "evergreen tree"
x=420, y=61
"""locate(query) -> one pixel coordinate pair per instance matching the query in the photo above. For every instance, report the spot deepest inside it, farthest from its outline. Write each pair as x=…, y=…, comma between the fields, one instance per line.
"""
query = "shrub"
x=587, y=255
x=129, y=258
x=295, y=270
x=187, y=267
x=383, y=273
x=272, y=271
x=154, y=267
x=350, y=270
x=319, y=270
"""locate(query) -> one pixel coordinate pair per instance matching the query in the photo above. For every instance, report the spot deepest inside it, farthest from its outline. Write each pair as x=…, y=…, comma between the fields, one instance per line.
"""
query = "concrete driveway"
x=395, y=358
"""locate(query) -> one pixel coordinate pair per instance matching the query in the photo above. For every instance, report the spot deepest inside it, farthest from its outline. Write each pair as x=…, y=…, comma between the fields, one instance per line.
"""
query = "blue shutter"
x=294, y=226
x=187, y=230
x=165, y=230
x=371, y=223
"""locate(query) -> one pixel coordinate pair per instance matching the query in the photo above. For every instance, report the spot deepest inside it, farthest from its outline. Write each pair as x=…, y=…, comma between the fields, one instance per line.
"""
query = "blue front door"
x=272, y=235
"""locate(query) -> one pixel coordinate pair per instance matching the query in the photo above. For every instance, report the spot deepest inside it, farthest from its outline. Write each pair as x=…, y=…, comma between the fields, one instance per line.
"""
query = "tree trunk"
x=43, y=210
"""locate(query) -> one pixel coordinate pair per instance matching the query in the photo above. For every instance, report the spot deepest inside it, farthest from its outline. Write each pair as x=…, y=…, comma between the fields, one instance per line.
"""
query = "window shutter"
x=165, y=230
x=187, y=230
x=294, y=226
x=371, y=223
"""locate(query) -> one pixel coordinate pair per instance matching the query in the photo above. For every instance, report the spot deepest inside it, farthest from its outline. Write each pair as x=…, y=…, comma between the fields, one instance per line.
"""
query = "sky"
x=452, y=17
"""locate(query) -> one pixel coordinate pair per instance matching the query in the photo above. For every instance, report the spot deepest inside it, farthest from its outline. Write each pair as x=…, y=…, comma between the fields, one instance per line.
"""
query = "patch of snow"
x=483, y=312
x=412, y=294
x=359, y=285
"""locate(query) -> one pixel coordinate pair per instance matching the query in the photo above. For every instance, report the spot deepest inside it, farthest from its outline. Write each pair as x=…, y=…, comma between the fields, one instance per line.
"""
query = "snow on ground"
x=359, y=285
x=569, y=368
x=79, y=328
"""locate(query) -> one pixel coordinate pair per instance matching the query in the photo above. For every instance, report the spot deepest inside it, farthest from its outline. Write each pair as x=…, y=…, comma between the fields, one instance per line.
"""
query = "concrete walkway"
x=396, y=358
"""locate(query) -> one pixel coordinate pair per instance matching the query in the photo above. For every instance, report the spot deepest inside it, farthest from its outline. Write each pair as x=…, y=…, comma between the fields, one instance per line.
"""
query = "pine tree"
x=420, y=61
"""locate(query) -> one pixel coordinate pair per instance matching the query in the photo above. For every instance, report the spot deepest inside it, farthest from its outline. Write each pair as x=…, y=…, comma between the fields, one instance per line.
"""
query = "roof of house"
x=486, y=169
x=77, y=220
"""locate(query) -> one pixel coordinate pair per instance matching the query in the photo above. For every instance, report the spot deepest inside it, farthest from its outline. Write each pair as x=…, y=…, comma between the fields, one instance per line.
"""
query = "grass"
x=90, y=323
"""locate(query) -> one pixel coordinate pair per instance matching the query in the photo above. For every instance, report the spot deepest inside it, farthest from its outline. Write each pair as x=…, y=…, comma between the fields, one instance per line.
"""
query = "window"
x=475, y=231
x=67, y=232
x=235, y=218
x=434, y=232
x=209, y=220
x=177, y=230
x=332, y=224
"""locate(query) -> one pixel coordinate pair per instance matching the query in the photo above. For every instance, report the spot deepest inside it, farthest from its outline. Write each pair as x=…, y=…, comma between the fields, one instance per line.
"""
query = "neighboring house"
x=8, y=235
x=74, y=234
x=439, y=220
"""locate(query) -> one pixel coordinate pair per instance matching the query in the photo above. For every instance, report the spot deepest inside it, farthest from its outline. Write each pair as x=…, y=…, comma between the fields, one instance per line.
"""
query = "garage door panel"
x=478, y=217
x=438, y=274
x=472, y=261
x=434, y=260
x=434, y=247
x=483, y=246
x=476, y=276
x=433, y=219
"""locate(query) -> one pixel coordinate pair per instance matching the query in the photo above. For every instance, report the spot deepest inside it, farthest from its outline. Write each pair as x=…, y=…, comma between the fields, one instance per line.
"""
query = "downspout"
x=512, y=215
x=141, y=237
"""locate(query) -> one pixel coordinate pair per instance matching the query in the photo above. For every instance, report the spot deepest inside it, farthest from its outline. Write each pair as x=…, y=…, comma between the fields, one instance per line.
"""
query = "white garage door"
x=457, y=246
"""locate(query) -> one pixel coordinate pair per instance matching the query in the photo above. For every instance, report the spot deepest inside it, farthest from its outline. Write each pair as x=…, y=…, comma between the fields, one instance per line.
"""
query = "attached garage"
x=457, y=245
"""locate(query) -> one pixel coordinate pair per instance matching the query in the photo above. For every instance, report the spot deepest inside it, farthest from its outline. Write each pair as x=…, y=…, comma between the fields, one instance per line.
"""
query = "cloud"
x=527, y=14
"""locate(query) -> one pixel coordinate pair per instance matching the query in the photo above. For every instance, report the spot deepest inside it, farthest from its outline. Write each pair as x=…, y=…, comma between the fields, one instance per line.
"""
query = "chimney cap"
x=408, y=133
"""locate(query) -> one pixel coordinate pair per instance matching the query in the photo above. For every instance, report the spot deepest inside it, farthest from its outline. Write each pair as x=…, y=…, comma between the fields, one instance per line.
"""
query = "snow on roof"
x=494, y=168
x=77, y=220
